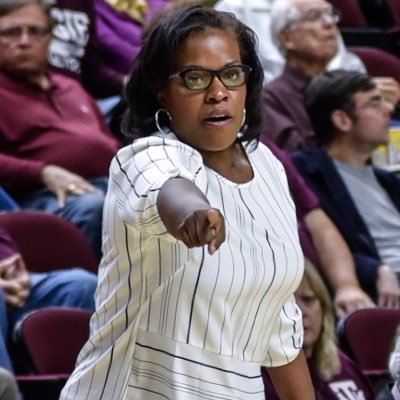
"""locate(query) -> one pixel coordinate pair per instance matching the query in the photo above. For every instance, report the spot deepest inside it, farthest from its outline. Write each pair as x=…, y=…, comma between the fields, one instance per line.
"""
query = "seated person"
x=97, y=40
x=334, y=375
x=55, y=154
x=306, y=33
x=321, y=241
x=21, y=291
x=351, y=119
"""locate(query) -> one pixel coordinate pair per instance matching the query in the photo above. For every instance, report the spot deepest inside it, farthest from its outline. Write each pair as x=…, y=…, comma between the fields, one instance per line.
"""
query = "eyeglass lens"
x=233, y=76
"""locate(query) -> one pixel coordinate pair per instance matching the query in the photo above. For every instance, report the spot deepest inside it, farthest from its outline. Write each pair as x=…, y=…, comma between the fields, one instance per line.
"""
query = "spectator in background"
x=97, y=40
x=257, y=14
x=306, y=33
x=334, y=375
x=55, y=148
x=350, y=119
x=322, y=243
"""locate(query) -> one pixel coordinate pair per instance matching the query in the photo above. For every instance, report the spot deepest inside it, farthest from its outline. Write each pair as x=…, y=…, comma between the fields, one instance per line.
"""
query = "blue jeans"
x=7, y=202
x=73, y=288
x=5, y=361
x=85, y=211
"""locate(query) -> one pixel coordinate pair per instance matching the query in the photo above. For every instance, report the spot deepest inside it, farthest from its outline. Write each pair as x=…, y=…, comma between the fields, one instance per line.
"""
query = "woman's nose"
x=217, y=91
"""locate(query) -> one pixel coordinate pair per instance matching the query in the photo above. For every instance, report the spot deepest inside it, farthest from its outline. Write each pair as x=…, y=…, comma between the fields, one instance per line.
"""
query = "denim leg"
x=5, y=361
x=73, y=287
x=85, y=211
x=7, y=202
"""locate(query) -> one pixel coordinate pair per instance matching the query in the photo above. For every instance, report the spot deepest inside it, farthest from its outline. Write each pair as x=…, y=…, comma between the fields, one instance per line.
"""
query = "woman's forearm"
x=292, y=381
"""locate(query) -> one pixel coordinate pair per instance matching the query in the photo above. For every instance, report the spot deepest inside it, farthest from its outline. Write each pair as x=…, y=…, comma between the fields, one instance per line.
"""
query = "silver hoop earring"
x=156, y=119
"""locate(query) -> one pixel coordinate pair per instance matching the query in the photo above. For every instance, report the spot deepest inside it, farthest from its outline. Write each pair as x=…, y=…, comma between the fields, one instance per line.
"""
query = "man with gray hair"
x=306, y=33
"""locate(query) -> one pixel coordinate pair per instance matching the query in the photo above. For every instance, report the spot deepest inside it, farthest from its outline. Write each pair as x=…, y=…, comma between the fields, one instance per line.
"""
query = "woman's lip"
x=217, y=122
x=219, y=112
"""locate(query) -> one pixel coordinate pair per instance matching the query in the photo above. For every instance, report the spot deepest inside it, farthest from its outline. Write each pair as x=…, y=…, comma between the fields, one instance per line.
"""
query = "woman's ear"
x=341, y=120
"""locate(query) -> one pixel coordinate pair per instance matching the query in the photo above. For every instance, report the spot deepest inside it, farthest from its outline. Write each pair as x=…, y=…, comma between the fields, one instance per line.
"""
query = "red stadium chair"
x=48, y=242
x=394, y=6
x=51, y=338
x=378, y=62
x=367, y=336
x=351, y=12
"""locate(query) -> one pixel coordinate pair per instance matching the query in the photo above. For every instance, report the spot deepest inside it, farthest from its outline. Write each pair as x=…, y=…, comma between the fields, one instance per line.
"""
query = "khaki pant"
x=8, y=386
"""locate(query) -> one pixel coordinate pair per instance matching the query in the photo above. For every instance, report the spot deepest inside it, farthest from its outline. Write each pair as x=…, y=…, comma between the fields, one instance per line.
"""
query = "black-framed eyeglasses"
x=231, y=76
x=14, y=33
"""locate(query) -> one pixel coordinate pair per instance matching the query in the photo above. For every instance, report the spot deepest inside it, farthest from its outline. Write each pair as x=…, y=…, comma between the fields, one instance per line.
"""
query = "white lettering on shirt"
x=347, y=390
x=70, y=36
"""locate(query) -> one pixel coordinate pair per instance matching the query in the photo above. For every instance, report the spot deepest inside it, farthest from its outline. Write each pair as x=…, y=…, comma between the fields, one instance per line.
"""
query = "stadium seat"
x=367, y=336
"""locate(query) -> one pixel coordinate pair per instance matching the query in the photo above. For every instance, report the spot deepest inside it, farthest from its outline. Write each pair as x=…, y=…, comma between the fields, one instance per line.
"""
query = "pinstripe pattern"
x=177, y=323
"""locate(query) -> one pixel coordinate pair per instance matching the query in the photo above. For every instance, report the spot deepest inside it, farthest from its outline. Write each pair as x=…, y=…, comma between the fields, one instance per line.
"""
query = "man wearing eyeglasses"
x=55, y=148
x=350, y=118
x=306, y=33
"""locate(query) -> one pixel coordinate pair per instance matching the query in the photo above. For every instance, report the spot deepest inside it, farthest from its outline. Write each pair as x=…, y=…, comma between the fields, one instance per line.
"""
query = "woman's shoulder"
x=156, y=152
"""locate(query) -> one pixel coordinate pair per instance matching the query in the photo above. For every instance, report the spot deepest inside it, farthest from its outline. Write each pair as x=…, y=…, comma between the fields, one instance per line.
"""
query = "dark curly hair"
x=155, y=63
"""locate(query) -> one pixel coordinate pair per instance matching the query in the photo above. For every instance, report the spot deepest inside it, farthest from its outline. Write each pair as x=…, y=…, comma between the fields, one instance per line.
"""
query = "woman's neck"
x=231, y=163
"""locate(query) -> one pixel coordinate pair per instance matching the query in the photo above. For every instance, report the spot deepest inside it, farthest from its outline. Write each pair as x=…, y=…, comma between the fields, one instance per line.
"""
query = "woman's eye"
x=193, y=78
x=232, y=75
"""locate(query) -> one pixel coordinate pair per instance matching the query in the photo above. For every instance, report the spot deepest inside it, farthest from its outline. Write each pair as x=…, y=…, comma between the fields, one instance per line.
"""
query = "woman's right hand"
x=203, y=227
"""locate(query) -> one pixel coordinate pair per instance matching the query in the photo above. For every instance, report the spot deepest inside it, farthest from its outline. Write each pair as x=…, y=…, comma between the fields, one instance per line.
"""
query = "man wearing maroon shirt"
x=55, y=147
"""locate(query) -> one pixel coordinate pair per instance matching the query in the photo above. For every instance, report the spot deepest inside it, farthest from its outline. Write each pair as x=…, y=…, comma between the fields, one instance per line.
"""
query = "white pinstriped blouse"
x=178, y=323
